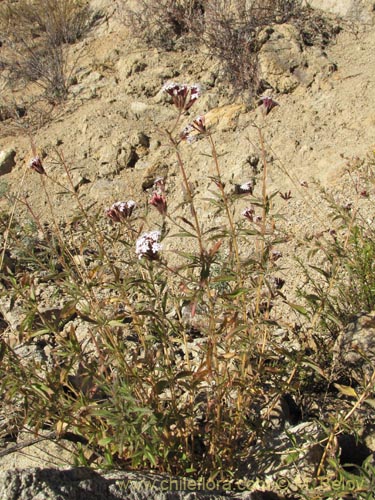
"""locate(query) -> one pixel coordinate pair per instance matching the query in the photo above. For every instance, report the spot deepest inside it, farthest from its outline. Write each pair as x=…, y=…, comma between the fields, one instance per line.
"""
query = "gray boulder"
x=83, y=483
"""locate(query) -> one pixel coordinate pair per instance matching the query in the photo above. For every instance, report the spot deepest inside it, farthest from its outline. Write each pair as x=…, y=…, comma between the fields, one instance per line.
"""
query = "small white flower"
x=246, y=186
x=148, y=245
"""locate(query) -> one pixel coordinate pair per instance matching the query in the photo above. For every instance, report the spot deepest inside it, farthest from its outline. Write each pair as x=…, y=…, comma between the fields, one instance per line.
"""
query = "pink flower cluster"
x=158, y=198
x=183, y=95
x=148, y=244
x=198, y=125
x=120, y=210
x=249, y=214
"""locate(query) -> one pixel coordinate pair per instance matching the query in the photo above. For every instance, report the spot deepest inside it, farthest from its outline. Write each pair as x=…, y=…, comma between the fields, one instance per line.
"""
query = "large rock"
x=79, y=483
x=358, y=10
x=284, y=63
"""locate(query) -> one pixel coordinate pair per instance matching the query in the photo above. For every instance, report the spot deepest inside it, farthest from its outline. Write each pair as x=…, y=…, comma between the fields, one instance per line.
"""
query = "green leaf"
x=187, y=222
x=183, y=234
x=326, y=274
x=370, y=402
x=43, y=390
x=105, y=441
x=312, y=297
x=150, y=457
x=116, y=322
x=292, y=457
x=346, y=390
x=38, y=333
x=236, y=293
x=298, y=308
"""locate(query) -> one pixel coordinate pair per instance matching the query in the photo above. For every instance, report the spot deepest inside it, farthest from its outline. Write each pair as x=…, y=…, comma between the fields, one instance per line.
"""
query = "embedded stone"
x=7, y=161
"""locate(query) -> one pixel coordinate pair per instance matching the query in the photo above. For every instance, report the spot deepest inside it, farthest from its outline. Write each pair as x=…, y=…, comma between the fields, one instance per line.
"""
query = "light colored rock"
x=13, y=314
x=358, y=10
x=127, y=156
x=43, y=453
x=82, y=330
x=102, y=188
x=224, y=117
x=7, y=161
x=138, y=108
x=279, y=56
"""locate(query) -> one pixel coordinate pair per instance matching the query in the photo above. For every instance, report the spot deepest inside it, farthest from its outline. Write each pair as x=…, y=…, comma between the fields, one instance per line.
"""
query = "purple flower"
x=120, y=210
x=159, y=201
x=249, y=213
x=275, y=255
x=36, y=164
x=268, y=103
x=183, y=95
x=148, y=245
x=286, y=196
x=199, y=124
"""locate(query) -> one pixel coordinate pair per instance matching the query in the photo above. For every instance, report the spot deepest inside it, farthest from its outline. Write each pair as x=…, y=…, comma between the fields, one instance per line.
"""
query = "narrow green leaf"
x=183, y=234
x=346, y=390
x=236, y=293
x=105, y=441
x=298, y=308
x=370, y=402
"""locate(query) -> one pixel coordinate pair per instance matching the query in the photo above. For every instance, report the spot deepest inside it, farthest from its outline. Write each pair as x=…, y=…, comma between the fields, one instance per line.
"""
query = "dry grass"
x=34, y=34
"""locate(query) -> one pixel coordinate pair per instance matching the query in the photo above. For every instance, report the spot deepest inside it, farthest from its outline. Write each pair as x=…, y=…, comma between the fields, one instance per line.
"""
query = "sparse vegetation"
x=165, y=335
x=232, y=31
x=343, y=285
x=34, y=35
x=156, y=353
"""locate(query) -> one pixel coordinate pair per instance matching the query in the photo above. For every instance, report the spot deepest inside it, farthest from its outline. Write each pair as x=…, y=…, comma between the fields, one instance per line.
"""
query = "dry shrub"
x=34, y=34
x=233, y=31
x=160, y=23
